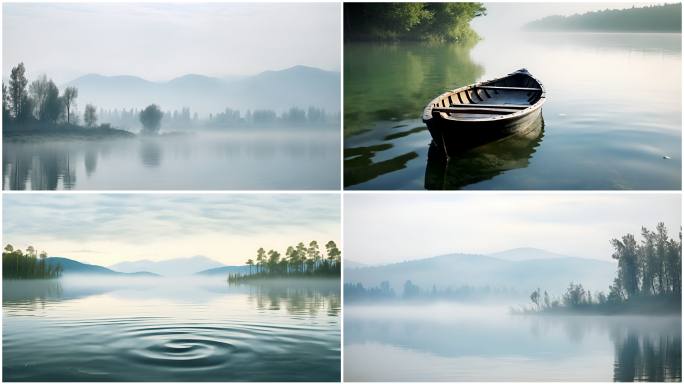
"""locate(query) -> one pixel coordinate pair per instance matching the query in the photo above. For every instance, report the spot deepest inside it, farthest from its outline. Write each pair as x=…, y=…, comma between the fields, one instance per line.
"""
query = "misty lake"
x=613, y=112
x=299, y=160
x=448, y=342
x=170, y=330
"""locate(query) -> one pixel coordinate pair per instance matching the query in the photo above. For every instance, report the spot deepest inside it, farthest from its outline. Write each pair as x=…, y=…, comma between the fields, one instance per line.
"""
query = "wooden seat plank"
x=482, y=105
x=508, y=88
x=484, y=111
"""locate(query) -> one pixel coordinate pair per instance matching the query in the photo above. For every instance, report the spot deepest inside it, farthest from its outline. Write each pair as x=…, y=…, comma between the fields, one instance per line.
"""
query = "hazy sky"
x=509, y=16
x=160, y=41
x=384, y=228
x=105, y=229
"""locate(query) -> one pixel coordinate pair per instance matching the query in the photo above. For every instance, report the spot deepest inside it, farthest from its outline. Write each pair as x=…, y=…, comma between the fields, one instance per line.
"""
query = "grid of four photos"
x=327, y=192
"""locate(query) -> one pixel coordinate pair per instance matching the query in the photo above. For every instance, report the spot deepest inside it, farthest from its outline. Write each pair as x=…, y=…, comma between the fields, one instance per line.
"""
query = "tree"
x=150, y=118
x=261, y=253
x=273, y=259
x=43, y=256
x=54, y=106
x=38, y=91
x=535, y=297
x=628, y=266
x=90, y=115
x=314, y=253
x=17, y=92
x=333, y=252
x=250, y=262
x=301, y=251
x=6, y=109
x=69, y=99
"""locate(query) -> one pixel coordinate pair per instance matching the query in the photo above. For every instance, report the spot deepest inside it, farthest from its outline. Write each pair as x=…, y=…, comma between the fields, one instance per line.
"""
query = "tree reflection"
x=648, y=357
x=297, y=299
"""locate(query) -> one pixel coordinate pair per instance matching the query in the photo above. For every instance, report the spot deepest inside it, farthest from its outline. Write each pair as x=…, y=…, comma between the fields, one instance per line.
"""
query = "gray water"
x=448, y=342
x=306, y=160
x=165, y=329
x=612, y=114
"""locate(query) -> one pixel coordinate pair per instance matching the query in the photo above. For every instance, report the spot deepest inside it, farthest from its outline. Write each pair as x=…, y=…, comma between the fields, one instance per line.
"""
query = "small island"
x=299, y=261
x=655, y=18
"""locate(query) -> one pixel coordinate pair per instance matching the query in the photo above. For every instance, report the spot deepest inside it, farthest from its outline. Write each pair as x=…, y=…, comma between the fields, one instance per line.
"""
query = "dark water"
x=619, y=94
x=307, y=160
x=456, y=343
x=171, y=330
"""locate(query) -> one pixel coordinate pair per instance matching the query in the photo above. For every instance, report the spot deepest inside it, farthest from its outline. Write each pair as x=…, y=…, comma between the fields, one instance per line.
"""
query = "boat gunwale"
x=427, y=113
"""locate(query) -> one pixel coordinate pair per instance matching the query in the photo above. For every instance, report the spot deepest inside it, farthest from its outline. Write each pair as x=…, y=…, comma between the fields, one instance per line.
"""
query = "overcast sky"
x=107, y=229
x=510, y=16
x=161, y=41
x=385, y=228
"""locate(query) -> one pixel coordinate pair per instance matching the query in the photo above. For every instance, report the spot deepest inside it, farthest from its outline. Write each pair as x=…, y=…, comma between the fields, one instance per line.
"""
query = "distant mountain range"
x=196, y=265
x=549, y=272
x=73, y=267
x=298, y=86
x=174, y=267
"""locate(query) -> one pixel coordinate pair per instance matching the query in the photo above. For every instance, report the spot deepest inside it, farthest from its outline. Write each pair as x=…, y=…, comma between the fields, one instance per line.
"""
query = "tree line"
x=19, y=265
x=648, y=271
x=299, y=260
x=448, y=21
x=652, y=18
x=464, y=293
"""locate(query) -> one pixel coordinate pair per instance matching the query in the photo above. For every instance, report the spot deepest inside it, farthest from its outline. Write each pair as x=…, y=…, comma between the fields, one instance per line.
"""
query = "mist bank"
x=457, y=270
x=405, y=343
x=654, y=18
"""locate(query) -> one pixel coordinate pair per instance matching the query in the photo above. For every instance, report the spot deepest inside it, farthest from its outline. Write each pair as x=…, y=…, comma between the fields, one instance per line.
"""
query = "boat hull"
x=452, y=137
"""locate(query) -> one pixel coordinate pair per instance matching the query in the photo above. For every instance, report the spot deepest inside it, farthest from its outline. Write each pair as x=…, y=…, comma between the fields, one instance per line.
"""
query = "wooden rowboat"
x=484, y=112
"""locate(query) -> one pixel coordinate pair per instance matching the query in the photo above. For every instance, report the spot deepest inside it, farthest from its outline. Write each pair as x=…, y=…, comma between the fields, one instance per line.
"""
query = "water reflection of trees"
x=30, y=295
x=647, y=357
x=296, y=300
x=392, y=82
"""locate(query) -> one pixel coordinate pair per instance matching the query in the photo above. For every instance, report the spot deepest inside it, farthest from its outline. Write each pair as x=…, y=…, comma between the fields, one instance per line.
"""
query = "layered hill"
x=75, y=267
x=298, y=86
x=174, y=267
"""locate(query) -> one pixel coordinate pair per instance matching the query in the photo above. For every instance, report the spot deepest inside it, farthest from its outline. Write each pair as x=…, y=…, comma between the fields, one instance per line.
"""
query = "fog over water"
x=453, y=342
x=263, y=160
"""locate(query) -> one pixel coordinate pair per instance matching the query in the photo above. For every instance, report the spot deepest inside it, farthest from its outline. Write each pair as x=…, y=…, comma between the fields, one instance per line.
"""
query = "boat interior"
x=491, y=99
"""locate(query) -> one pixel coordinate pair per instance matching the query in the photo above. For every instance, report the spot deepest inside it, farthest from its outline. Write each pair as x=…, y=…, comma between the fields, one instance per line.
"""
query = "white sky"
x=509, y=16
x=385, y=228
x=105, y=229
x=161, y=41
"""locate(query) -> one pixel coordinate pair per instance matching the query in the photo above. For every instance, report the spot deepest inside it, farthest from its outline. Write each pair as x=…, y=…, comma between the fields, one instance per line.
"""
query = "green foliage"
x=150, y=118
x=17, y=265
x=410, y=21
x=653, y=18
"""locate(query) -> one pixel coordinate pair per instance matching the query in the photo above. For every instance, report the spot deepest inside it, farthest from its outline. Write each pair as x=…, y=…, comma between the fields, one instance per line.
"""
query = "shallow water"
x=459, y=343
x=308, y=160
x=170, y=330
x=613, y=112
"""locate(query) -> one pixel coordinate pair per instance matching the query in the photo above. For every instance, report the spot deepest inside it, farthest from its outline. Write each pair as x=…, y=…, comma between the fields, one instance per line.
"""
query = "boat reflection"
x=484, y=162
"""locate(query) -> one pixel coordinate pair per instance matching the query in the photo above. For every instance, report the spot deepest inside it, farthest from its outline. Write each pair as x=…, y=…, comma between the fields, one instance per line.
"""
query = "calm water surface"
x=308, y=160
x=456, y=343
x=173, y=330
x=613, y=112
